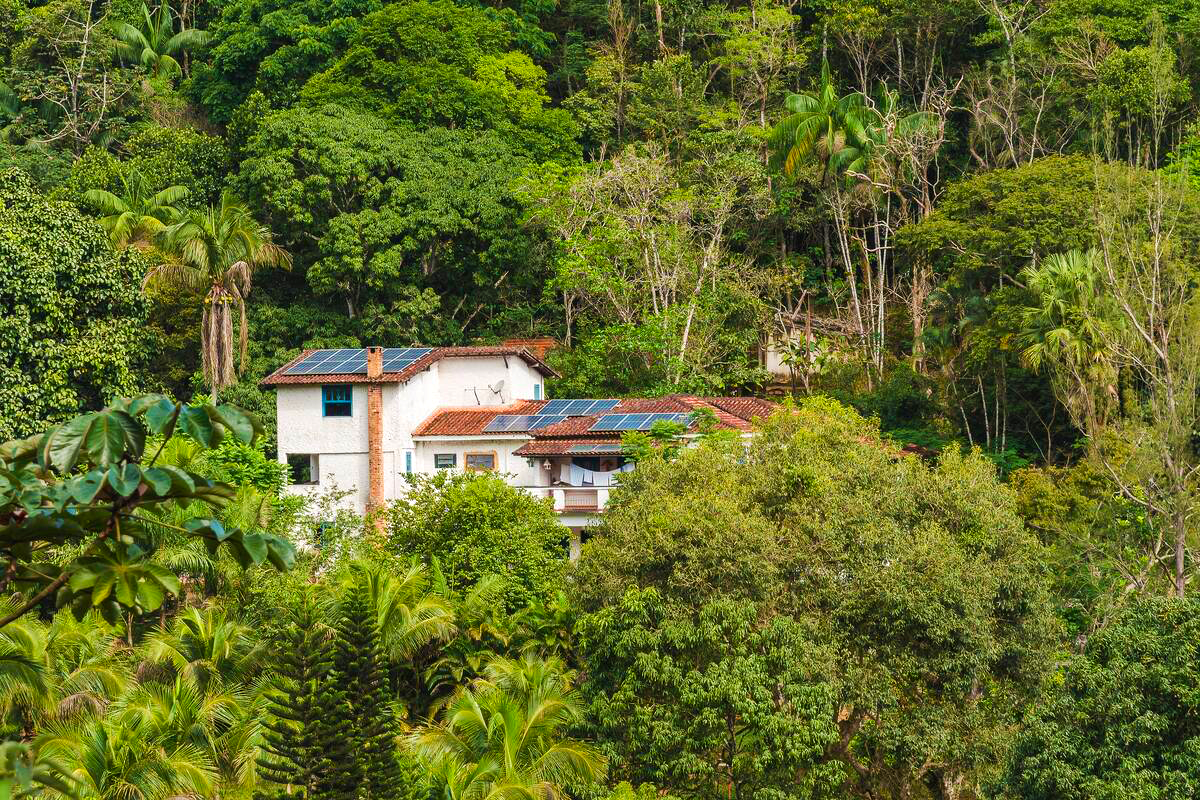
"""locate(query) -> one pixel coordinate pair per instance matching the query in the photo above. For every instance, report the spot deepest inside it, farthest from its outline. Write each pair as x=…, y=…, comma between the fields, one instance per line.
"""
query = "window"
x=480, y=461
x=336, y=400
x=408, y=460
x=445, y=460
x=303, y=468
x=537, y=391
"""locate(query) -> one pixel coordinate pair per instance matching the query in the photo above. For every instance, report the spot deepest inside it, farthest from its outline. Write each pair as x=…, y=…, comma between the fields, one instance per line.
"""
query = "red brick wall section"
x=375, y=431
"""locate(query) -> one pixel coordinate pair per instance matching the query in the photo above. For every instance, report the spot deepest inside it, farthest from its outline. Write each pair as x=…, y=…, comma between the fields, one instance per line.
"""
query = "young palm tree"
x=204, y=646
x=217, y=252
x=815, y=123
x=410, y=613
x=506, y=735
x=136, y=215
x=108, y=761
x=59, y=670
x=155, y=44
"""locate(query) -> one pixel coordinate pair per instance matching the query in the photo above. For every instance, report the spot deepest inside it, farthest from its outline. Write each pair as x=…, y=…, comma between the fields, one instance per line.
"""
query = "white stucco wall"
x=467, y=381
x=517, y=466
x=340, y=443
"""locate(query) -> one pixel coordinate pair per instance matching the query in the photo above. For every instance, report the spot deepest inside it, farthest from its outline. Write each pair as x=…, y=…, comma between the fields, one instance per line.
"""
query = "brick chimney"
x=538, y=345
x=375, y=431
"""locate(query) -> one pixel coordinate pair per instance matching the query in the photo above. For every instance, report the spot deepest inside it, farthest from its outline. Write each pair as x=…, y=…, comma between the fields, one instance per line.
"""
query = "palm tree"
x=204, y=646
x=410, y=612
x=108, y=761
x=815, y=123
x=867, y=133
x=58, y=671
x=216, y=252
x=137, y=214
x=505, y=735
x=155, y=44
x=1067, y=329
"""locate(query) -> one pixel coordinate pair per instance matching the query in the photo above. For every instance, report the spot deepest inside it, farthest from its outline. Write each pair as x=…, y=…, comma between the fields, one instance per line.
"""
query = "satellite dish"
x=497, y=387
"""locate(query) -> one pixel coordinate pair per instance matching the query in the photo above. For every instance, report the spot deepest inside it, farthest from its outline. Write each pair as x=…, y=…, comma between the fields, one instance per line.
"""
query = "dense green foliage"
x=72, y=333
x=959, y=563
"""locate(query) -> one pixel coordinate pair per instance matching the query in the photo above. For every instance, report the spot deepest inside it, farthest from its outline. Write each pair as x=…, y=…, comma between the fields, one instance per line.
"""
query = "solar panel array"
x=577, y=408
x=353, y=361
x=636, y=422
x=594, y=449
x=519, y=423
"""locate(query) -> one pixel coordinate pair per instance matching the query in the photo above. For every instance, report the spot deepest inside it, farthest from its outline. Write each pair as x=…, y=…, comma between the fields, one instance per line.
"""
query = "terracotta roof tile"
x=471, y=421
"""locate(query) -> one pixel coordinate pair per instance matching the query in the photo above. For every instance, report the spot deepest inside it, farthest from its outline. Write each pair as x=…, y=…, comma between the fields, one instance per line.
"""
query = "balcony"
x=573, y=499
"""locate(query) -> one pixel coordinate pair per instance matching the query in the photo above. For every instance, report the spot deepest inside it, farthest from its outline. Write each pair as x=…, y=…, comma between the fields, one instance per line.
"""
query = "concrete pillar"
x=576, y=546
x=375, y=431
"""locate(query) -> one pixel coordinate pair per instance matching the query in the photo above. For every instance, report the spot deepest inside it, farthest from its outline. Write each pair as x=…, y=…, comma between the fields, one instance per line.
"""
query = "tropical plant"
x=217, y=252
x=409, y=611
x=81, y=484
x=816, y=123
x=137, y=214
x=154, y=43
x=1066, y=329
x=57, y=670
x=506, y=735
x=206, y=646
x=108, y=761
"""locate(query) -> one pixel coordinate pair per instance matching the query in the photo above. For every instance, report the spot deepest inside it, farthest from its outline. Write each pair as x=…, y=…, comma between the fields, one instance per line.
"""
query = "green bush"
x=474, y=525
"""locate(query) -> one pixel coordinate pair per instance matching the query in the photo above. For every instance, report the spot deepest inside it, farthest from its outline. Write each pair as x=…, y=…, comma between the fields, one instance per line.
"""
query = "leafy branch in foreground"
x=83, y=483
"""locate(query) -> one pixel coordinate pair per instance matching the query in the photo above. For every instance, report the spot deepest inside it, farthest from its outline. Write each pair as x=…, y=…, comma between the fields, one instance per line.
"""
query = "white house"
x=360, y=419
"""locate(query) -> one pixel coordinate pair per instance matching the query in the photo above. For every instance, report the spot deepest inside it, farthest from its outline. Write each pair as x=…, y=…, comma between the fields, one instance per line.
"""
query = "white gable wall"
x=340, y=443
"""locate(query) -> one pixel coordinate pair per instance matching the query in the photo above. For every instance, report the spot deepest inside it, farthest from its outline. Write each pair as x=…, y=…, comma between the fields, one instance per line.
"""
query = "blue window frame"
x=537, y=391
x=336, y=400
x=408, y=460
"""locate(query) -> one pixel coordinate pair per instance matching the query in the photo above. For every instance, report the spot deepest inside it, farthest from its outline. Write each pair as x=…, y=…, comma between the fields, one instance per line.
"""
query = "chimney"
x=538, y=345
x=375, y=433
x=374, y=362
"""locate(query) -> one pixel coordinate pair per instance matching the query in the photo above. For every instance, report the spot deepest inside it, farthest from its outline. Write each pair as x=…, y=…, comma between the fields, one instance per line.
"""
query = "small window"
x=337, y=400
x=408, y=461
x=445, y=460
x=537, y=391
x=303, y=468
x=480, y=461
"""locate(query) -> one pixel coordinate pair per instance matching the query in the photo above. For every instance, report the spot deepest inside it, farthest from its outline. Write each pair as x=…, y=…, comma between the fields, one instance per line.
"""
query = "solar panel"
x=636, y=422
x=518, y=423
x=353, y=360
x=577, y=408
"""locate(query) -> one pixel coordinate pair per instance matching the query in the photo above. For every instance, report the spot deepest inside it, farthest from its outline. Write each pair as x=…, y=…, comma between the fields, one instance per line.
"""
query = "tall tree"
x=73, y=334
x=217, y=252
x=373, y=764
x=304, y=733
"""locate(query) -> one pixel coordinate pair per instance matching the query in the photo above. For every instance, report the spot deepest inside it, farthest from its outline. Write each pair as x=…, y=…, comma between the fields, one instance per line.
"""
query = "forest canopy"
x=958, y=243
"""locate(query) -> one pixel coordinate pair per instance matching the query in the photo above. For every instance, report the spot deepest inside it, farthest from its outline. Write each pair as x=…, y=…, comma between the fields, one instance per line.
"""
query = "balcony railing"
x=573, y=499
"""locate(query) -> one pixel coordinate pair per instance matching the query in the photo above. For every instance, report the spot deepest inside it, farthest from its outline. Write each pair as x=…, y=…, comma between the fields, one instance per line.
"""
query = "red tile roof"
x=280, y=378
x=559, y=447
x=471, y=421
